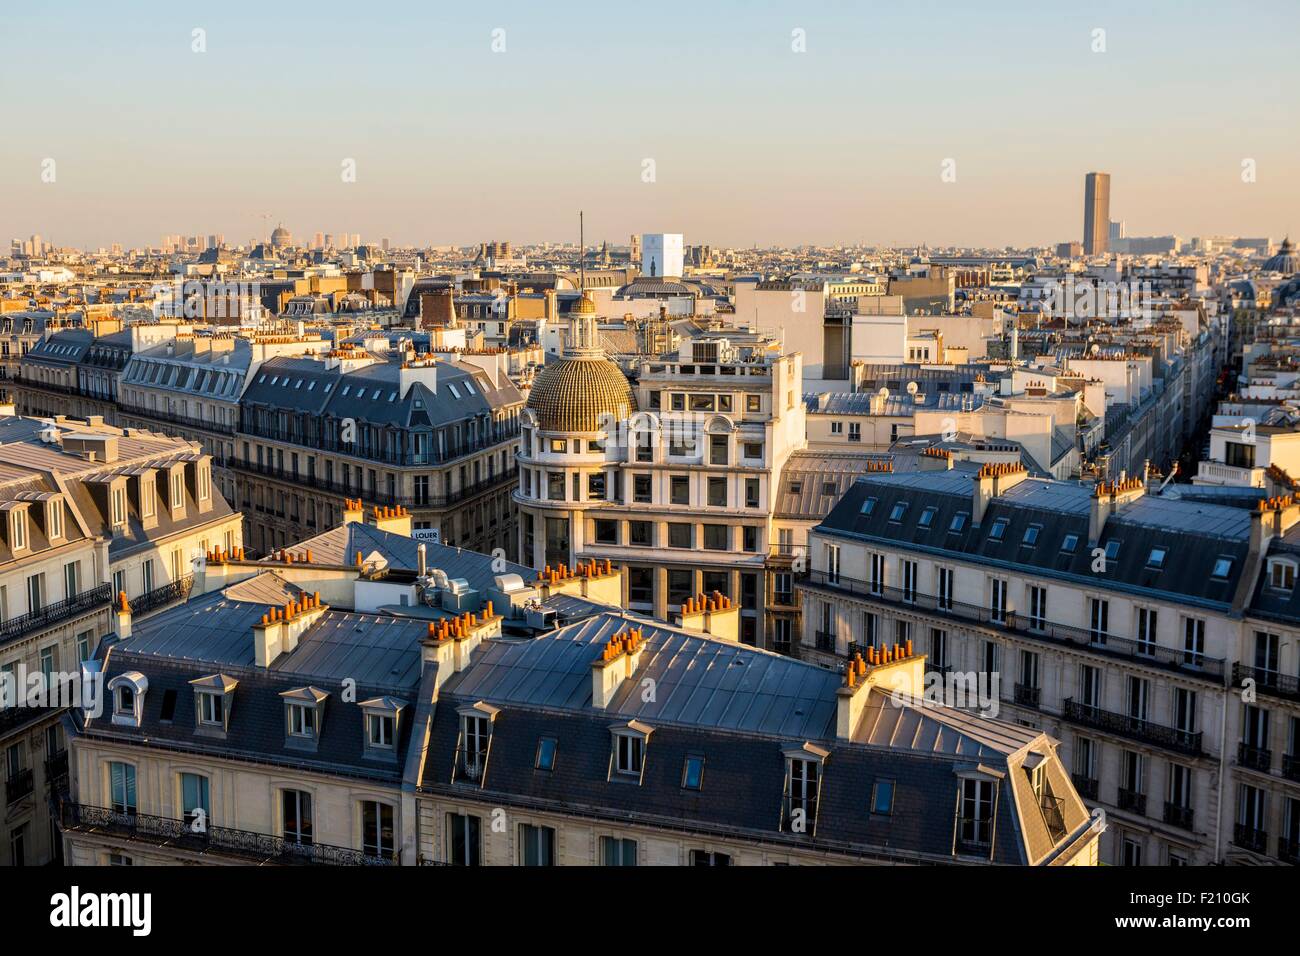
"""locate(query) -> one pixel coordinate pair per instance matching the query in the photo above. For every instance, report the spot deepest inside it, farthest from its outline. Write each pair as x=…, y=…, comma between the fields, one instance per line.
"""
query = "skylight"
x=998, y=530
x=1031, y=536
x=958, y=522
x=1069, y=543
x=868, y=506
x=927, y=517
x=1222, y=567
x=1156, y=559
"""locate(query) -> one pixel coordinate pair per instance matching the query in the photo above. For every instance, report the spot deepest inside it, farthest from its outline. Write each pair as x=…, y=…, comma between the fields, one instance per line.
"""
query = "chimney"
x=123, y=616
x=617, y=662
x=422, y=559
x=992, y=480
x=1107, y=499
x=394, y=520
x=278, y=631
x=716, y=616
x=353, y=512
x=897, y=670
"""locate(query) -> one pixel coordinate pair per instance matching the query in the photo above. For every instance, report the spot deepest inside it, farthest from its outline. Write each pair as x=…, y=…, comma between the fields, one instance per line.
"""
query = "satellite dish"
x=1095, y=348
x=883, y=394
x=911, y=388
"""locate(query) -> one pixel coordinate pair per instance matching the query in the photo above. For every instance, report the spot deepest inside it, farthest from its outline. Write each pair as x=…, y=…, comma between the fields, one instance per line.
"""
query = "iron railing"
x=1177, y=815
x=1087, y=786
x=262, y=847
x=19, y=785
x=1288, y=851
x=55, y=613
x=178, y=590
x=1027, y=696
x=1249, y=838
x=1267, y=681
x=1132, y=801
x=500, y=480
x=1135, y=728
x=1256, y=758
x=1013, y=622
x=1291, y=766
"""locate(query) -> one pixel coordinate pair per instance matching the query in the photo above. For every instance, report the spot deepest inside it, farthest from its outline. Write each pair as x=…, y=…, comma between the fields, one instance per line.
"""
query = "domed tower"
x=1286, y=261
x=280, y=237
x=568, y=450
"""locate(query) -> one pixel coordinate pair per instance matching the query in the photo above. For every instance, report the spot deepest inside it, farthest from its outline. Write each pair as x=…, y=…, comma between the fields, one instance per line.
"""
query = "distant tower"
x=1096, y=213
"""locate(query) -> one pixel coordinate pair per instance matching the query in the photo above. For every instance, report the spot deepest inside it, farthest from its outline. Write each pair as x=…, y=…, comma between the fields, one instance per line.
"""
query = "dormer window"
x=212, y=699
x=178, y=489
x=628, y=758
x=54, y=519
x=127, y=691
x=475, y=741
x=303, y=714
x=381, y=717
x=975, y=815
x=148, y=499
x=18, y=529
x=205, y=481
x=1281, y=575
x=803, y=774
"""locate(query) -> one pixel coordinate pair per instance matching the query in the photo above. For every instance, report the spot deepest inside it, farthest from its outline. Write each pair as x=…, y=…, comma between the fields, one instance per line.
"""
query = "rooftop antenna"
x=582, y=256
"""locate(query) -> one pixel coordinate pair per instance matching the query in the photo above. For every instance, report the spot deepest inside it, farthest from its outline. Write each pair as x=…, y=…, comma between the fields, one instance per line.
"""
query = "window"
x=606, y=531
x=1069, y=543
x=1112, y=550
x=802, y=778
x=475, y=734
x=380, y=731
x=1194, y=641
x=882, y=797
x=464, y=840
x=976, y=822
x=998, y=529
x=1222, y=568
x=296, y=817
x=693, y=773
x=717, y=537
x=302, y=720
x=124, y=700
x=629, y=754
x=868, y=506
x=1037, y=607
x=679, y=490
x=211, y=708
x=616, y=851
x=897, y=512
x=944, y=579
x=641, y=489
x=536, y=845
x=998, y=600
x=751, y=493
x=195, y=802
x=709, y=858
x=1147, y=621
x=377, y=838
x=121, y=782
x=1281, y=574
x=1156, y=559
x=545, y=754
x=958, y=523
x=681, y=535
x=909, y=580
x=876, y=582
x=1098, y=620
x=717, y=492
x=1031, y=536
x=927, y=518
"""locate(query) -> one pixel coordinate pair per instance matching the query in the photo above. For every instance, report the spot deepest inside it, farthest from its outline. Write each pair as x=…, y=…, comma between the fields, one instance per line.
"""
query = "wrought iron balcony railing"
x=1110, y=645
x=261, y=847
x=1178, y=816
x=178, y=590
x=1132, y=801
x=1135, y=728
x=1249, y=838
x=19, y=785
x=1027, y=696
x=1087, y=786
x=1267, y=681
x=1256, y=758
x=55, y=613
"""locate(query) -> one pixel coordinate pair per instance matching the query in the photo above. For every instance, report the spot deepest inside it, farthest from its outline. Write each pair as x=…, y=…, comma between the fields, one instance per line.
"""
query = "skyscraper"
x=1096, y=213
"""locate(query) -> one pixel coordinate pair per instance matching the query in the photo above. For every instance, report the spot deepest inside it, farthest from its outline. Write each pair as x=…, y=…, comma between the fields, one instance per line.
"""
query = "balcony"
x=1288, y=851
x=1151, y=655
x=1256, y=758
x=1267, y=681
x=1132, y=801
x=824, y=641
x=1178, y=816
x=1144, y=731
x=1027, y=696
x=1216, y=473
x=1248, y=838
x=223, y=841
x=1291, y=766
x=175, y=418
x=56, y=769
x=371, y=495
x=19, y=785
x=53, y=614
x=178, y=590
x=1087, y=786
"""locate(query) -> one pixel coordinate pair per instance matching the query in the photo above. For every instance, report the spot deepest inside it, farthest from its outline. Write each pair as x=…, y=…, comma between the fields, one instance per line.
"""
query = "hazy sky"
x=752, y=142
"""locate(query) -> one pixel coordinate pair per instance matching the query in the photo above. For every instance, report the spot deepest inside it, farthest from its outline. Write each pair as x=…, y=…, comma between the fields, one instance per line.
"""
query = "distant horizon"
x=733, y=125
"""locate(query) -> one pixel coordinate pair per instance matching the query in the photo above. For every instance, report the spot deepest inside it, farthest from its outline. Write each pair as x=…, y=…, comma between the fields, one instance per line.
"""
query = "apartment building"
x=675, y=481
x=262, y=723
x=1109, y=617
x=88, y=510
x=434, y=436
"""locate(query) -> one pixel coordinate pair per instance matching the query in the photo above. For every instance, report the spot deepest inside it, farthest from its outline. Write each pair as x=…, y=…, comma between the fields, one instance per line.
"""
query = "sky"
x=735, y=123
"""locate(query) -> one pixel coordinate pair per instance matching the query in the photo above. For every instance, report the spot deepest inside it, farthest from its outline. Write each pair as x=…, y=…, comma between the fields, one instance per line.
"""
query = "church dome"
x=280, y=236
x=574, y=393
x=1286, y=261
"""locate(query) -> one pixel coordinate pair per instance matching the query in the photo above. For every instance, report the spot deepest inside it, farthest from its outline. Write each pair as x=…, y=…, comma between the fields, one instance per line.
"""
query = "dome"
x=574, y=393
x=584, y=305
x=1286, y=261
x=280, y=236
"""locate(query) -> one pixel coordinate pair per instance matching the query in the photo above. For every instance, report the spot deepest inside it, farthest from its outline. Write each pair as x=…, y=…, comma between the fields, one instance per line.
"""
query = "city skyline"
x=879, y=147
